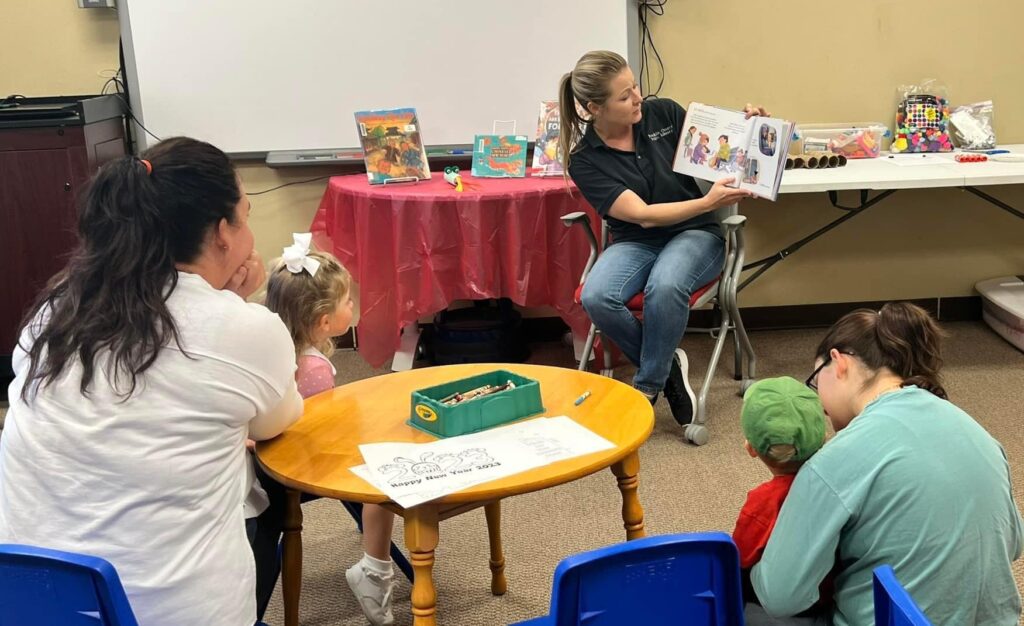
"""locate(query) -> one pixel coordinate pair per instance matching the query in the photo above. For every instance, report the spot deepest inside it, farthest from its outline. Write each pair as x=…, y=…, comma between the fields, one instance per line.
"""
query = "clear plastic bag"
x=922, y=119
x=971, y=126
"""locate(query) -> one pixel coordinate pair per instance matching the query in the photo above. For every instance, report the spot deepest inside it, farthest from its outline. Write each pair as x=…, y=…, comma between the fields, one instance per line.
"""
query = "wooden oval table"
x=315, y=454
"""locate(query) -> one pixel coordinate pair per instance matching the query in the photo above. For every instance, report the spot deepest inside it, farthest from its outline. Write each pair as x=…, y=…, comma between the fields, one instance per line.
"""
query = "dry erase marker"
x=583, y=396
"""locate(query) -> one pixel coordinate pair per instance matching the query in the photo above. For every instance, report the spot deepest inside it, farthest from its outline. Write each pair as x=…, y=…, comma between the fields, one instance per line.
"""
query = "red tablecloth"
x=414, y=248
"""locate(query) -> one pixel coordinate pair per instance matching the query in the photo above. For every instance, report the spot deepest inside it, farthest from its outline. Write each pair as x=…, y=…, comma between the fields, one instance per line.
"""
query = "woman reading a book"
x=618, y=148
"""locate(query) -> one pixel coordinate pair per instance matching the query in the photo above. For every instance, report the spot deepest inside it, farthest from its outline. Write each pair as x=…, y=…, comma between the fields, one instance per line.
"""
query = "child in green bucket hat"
x=784, y=425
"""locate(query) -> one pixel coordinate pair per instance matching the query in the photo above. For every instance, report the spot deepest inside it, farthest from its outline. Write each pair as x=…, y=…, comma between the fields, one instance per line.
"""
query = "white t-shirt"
x=153, y=484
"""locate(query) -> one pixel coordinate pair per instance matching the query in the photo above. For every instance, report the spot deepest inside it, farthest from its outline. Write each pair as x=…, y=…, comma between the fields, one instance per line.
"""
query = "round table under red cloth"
x=414, y=248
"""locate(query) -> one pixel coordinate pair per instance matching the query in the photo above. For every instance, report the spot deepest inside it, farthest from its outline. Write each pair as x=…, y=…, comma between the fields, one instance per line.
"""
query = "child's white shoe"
x=373, y=591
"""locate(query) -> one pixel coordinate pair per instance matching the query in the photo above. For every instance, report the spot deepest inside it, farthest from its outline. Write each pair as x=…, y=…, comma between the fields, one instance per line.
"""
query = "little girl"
x=312, y=293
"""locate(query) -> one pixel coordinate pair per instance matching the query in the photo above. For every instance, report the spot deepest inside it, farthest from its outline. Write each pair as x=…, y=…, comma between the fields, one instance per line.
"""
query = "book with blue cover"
x=392, y=146
x=499, y=156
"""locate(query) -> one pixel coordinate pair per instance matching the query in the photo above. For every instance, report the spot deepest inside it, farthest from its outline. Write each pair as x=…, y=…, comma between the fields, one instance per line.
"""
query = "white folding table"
x=887, y=176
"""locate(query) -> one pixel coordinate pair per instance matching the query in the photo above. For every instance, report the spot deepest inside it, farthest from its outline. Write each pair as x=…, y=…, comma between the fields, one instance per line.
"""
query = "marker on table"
x=583, y=396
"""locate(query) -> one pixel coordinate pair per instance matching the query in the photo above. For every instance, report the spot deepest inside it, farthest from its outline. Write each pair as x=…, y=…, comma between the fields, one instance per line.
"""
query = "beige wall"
x=52, y=48
x=828, y=61
x=845, y=63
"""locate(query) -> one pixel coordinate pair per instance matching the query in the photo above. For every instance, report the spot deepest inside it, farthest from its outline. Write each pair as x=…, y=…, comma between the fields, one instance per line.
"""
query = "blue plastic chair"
x=40, y=587
x=893, y=605
x=691, y=579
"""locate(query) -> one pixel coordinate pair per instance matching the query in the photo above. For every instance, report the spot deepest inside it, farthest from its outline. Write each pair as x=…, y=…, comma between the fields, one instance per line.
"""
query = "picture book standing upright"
x=392, y=146
x=718, y=143
x=547, y=159
x=499, y=156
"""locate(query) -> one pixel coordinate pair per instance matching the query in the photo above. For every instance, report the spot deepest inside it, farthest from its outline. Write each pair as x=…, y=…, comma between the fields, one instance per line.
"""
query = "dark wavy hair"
x=133, y=227
x=901, y=337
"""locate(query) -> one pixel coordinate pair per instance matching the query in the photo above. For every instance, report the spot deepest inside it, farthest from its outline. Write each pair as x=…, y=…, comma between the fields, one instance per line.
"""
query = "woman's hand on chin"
x=249, y=276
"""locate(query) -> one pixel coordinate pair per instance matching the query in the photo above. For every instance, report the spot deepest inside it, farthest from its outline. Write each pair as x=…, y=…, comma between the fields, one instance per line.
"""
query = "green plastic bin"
x=428, y=414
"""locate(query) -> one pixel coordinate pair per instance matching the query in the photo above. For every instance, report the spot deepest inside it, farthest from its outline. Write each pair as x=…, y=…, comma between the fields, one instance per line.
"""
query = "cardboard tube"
x=812, y=162
x=789, y=163
x=833, y=161
x=799, y=162
x=842, y=160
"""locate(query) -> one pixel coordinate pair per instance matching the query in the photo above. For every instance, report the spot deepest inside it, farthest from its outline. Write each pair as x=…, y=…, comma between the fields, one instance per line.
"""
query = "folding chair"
x=893, y=605
x=39, y=587
x=691, y=578
x=720, y=293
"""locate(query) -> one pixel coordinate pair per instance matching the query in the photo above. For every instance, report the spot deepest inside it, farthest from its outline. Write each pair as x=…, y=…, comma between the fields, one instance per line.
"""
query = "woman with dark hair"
x=909, y=480
x=139, y=374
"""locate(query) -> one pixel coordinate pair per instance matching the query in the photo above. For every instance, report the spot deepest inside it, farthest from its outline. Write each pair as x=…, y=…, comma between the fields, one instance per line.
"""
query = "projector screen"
x=261, y=75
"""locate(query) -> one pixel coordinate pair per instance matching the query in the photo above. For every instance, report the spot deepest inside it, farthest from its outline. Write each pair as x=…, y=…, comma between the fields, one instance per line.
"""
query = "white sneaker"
x=373, y=591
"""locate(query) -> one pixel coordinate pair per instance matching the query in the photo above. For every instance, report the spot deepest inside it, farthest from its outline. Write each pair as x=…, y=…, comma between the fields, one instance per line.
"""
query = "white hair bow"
x=296, y=256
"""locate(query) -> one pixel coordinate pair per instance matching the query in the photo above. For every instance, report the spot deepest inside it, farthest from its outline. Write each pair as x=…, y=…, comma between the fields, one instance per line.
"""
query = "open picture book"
x=718, y=143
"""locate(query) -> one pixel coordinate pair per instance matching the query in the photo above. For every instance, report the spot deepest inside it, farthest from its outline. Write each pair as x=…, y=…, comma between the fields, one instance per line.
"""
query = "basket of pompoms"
x=476, y=403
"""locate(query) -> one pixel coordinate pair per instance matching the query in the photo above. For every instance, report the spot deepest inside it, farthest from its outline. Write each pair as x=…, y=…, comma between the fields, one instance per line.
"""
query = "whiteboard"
x=261, y=75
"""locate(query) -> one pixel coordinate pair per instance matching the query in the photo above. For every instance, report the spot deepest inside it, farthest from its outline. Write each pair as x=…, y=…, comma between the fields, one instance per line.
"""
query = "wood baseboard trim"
x=948, y=309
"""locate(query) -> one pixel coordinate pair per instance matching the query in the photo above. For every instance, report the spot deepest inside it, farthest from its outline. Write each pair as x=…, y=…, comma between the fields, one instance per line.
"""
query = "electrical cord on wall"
x=645, y=9
x=119, y=91
x=296, y=182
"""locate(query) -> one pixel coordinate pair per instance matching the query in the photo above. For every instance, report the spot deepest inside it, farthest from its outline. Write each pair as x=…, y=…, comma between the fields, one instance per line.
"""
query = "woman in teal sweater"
x=909, y=480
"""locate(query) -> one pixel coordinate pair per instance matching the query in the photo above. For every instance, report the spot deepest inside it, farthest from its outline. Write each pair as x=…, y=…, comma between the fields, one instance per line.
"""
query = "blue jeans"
x=667, y=275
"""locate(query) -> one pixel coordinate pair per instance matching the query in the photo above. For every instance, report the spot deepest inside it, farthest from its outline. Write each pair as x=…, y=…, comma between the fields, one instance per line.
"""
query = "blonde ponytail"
x=587, y=82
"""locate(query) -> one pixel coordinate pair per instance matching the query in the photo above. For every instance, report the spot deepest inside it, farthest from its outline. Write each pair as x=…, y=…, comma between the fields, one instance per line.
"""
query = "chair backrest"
x=689, y=579
x=40, y=586
x=893, y=605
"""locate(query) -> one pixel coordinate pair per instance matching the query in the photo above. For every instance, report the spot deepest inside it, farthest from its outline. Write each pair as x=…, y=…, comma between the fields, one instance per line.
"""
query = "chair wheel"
x=746, y=384
x=608, y=373
x=697, y=434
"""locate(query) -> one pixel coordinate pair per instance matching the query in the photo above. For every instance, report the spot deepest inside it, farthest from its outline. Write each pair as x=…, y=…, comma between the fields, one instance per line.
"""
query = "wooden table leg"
x=493, y=513
x=291, y=569
x=627, y=471
x=421, y=539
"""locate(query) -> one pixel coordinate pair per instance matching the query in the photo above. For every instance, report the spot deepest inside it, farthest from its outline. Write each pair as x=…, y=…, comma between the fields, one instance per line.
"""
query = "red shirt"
x=757, y=518
x=754, y=526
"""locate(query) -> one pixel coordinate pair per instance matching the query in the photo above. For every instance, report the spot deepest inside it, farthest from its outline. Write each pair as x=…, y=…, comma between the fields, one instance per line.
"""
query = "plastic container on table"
x=859, y=140
x=428, y=413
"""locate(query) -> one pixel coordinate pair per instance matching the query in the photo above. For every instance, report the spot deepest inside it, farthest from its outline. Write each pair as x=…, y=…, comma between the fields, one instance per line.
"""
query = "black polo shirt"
x=602, y=173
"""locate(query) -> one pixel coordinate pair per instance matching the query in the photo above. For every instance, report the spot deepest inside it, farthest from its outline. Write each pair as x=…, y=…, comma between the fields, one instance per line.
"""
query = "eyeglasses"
x=812, y=380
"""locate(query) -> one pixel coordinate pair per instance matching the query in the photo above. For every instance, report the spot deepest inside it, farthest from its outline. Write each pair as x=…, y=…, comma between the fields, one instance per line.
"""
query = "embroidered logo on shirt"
x=658, y=134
